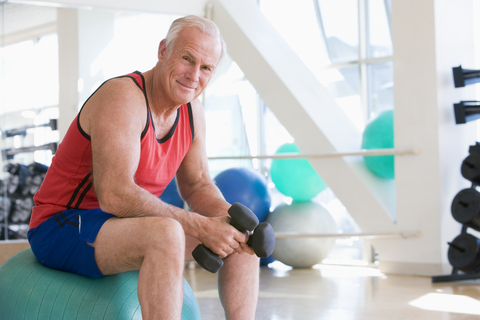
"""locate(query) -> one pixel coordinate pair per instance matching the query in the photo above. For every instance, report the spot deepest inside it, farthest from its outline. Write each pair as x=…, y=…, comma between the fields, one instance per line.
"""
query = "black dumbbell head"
x=207, y=259
x=242, y=217
x=262, y=240
x=466, y=208
x=463, y=253
x=470, y=168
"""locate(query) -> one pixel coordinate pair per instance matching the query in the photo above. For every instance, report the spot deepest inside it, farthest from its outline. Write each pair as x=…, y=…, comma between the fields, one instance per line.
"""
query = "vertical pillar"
x=82, y=36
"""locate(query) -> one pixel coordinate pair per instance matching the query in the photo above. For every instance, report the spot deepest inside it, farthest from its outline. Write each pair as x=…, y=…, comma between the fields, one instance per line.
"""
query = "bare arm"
x=115, y=118
x=197, y=188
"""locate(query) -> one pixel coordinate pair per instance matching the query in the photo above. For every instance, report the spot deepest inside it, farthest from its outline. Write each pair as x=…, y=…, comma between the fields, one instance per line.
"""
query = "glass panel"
x=296, y=22
x=380, y=88
x=344, y=85
x=231, y=112
x=379, y=42
x=339, y=22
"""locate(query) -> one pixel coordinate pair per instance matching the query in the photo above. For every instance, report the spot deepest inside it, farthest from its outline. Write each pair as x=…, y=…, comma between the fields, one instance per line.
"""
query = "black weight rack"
x=464, y=250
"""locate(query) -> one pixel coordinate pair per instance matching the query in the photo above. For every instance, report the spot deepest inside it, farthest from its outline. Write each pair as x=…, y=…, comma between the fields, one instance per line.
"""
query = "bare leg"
x=155, y=246
x=238, y=282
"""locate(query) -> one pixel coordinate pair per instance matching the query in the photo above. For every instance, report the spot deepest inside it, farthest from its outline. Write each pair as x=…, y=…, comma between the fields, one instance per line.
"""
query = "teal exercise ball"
x=378, y=134
x=295, y=178
x=29, y=290
x=306, y=217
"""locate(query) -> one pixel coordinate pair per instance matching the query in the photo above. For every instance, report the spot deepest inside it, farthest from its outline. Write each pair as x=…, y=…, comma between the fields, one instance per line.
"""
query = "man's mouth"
x=185, y=86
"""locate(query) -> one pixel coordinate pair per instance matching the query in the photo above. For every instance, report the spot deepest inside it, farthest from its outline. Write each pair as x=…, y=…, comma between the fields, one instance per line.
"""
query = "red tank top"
x=68, y=182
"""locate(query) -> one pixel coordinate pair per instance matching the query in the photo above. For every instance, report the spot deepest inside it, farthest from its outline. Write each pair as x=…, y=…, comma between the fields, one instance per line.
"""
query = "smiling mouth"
x=185, y=86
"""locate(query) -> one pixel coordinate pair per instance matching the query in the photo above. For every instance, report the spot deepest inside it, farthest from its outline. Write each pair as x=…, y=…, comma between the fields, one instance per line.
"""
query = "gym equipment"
x=9, y=154
x=466, y=111
x=466, y=208
x=21, y=210
x=171, y=196
x=32, y=291
x=378, y=134
x=5, y=206
x=464, y=253
x=23, y=130
x=246, y=186
x=470, y=168
x=463, y=77
x=305, y=217
x=295, y=178
x=18, y=175
x=266, y=261
x=242, y=218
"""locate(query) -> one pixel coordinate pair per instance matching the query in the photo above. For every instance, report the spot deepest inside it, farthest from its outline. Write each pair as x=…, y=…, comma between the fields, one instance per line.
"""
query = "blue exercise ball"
x=32, y=291
x=266, y=261
x=378, y=134
x=246, y=186
x=171, y=196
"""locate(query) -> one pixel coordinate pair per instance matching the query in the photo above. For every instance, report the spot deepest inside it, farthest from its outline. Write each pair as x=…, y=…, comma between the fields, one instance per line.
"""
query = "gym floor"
x=345, y=293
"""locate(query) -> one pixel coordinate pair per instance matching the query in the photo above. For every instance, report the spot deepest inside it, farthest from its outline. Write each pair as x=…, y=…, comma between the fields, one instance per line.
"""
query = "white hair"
x=204, y=25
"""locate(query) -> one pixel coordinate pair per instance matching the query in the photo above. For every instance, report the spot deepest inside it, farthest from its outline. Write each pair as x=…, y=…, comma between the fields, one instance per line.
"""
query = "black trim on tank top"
x=77, y=190
x=172, y=131
x=146, y=100
x=190, y=115
x=138, y=85
x=80, y=199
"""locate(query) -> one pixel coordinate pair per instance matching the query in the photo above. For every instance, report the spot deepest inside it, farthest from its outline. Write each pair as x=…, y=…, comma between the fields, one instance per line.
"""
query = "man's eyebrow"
x=189, y=54
x=210, y=65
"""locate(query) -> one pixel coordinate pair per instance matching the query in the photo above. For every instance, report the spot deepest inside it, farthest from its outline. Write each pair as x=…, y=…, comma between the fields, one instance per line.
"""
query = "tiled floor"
x=346, y=293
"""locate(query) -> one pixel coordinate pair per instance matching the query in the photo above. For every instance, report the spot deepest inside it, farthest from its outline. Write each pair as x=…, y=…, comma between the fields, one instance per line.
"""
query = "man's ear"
x=162, y=50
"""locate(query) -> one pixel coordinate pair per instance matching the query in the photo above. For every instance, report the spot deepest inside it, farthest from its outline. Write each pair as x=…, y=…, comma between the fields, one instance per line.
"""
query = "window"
x=346, y=44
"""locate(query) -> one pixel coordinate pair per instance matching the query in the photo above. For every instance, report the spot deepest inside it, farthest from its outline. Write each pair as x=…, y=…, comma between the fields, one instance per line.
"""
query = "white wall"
x=429, y=37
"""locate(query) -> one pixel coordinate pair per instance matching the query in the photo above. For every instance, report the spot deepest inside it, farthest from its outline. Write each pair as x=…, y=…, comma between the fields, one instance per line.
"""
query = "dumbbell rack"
x=466, y=210
x=17, y=190
x=466, y=204
x=456, y=275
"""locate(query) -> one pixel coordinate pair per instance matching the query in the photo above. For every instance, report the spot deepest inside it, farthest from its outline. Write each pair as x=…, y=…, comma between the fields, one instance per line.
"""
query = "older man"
x=98, y=212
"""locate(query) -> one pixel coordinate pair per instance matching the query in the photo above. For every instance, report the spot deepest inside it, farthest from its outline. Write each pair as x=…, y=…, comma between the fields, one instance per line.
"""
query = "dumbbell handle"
x=242, y=219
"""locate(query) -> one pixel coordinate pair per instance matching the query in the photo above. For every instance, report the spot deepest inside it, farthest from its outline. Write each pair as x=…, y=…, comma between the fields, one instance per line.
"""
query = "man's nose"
x=193, y=73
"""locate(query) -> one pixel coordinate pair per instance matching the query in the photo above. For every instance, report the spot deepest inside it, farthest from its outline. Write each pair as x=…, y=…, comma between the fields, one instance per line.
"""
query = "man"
x=98, y=212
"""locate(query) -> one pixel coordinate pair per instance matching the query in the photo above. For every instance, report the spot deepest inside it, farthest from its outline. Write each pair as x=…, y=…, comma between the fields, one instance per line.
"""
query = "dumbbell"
x=464, y=253
x=470, y=168
x=242, y=218
x=466, y=208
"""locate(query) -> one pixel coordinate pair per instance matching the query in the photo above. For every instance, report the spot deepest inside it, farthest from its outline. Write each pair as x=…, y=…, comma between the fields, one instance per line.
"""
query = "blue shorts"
x=61, y=241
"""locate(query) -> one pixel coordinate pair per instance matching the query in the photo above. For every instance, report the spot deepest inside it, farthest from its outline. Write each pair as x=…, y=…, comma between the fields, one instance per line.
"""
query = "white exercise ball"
x=305, y=217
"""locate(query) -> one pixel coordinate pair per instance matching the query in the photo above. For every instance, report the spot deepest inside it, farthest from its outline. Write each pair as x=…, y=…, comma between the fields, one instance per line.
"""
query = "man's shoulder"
x=124, y=89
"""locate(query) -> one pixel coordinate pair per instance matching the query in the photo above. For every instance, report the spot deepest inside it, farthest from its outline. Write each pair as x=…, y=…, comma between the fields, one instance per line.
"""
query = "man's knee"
x=165, y=233
x=243, y=260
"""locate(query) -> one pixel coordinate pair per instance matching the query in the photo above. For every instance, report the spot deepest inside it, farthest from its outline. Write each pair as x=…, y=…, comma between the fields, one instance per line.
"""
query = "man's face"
x=187, y=70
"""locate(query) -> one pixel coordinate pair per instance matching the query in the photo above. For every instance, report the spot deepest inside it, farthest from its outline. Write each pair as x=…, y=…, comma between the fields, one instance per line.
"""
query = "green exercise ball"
x=29, y=290
x=378, y=134
x=295, y=178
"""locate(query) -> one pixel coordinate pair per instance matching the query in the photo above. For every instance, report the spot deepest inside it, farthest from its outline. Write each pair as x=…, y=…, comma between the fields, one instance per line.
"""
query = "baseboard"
x=416, y=269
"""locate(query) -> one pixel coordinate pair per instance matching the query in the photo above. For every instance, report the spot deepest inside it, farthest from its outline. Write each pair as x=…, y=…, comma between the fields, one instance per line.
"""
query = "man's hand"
x=221, y=237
